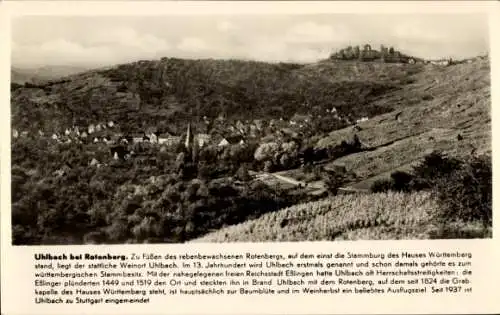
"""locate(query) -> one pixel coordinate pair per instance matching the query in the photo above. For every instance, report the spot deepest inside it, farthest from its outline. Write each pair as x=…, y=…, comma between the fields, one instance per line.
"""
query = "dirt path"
x=288, y=179
x=317, y=187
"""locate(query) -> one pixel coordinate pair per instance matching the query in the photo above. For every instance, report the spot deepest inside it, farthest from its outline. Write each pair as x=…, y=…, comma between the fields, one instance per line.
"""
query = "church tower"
x=189, y=137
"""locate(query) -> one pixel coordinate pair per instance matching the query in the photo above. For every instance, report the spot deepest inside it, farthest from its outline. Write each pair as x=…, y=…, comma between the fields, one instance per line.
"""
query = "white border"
x=17, y=261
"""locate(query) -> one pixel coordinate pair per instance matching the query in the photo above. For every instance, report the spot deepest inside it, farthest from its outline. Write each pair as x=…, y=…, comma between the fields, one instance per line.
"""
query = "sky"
x=94, y=41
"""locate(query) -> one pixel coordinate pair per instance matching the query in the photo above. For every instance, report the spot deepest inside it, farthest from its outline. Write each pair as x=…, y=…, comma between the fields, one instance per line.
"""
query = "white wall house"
x=223, y=143
x=168, y=140
x=361, y=120
x=91, y=129
x=202, y=139
x=153, y=138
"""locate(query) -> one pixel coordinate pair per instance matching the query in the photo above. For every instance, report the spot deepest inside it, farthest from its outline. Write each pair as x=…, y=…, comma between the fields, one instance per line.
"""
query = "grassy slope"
x=460, y=104
x=345, y=217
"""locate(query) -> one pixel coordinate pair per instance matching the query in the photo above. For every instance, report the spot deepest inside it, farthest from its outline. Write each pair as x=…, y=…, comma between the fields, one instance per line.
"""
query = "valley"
x=176, y=150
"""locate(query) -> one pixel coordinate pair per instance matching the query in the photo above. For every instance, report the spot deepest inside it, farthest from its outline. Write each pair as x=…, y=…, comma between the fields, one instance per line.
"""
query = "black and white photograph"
x=250, y=128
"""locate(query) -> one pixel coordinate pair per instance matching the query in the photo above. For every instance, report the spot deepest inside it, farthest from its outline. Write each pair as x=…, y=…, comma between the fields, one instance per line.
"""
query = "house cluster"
x=440, y=62
x=76, y=134
x=451, y=61
x=106, y=133
x=236, y=135
x=246, y=129
x=153, y=137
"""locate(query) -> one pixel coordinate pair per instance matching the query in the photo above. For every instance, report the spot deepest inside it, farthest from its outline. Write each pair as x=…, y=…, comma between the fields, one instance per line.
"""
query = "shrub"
x=381, y=185
x=14, y=86
x=435, y=166
x=242, y=174
x=333, y=181
x=401, y=181
x=463, y=188
x=460, y=230
x=466, y=194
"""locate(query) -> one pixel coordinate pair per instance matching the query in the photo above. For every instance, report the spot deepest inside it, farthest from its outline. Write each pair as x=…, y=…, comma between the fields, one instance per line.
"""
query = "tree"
x=349, y=52
x=341, y=54
x=401, y=181
x=242, y=173
x=285, y=161
x=383, y=52
x=434, y=166
x=356, y=52
x=195, y=152
x=268, y=166
x=333, y=181
x=466, y=193
x=266, y=151
x=180, y=160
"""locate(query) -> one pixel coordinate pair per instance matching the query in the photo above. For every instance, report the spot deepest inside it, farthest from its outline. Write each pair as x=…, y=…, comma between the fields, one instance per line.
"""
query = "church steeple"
x=189, y=137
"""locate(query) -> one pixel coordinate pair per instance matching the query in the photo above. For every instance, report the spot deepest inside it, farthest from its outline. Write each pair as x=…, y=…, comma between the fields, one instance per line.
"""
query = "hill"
x=19, y=77
x=279, y=135
x=40, y=74
x=445, y=109
x=169, y=92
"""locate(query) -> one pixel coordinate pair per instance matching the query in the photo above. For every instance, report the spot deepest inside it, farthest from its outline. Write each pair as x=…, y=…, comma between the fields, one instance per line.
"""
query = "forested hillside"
x=170, y=92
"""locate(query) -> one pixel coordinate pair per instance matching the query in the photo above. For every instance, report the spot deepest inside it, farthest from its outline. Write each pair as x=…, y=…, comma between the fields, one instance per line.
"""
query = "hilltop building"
x=367, y=53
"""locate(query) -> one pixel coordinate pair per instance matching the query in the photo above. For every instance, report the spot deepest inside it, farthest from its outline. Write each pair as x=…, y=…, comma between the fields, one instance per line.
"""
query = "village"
x=222, y=134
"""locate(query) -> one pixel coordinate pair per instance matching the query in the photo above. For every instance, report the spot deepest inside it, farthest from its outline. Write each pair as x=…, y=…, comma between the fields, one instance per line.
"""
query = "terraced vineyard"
x=445, y=109
x=346, y=217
